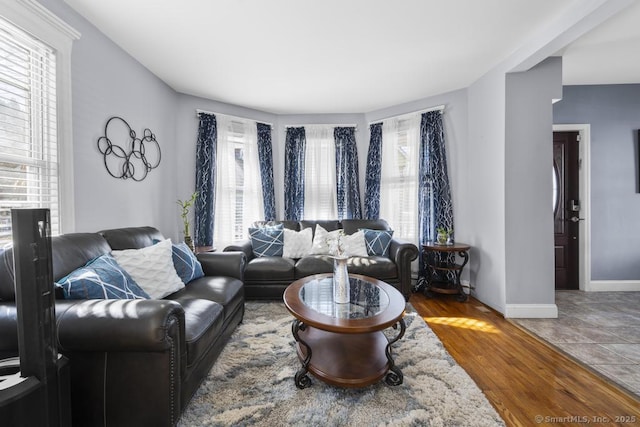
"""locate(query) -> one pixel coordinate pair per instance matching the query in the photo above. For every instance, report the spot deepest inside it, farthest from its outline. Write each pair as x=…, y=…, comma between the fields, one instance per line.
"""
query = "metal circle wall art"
x=134, y=157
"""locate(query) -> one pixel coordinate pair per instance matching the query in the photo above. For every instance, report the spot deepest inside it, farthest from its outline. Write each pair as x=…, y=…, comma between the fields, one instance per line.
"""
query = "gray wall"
x=528, y=184
x=486, y=185
x=613, y=111
x=187, y=127
x=106, y=82
x=509, y=187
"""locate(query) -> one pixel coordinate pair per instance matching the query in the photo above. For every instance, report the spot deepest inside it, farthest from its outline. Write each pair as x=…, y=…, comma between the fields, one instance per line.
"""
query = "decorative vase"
x=189, y=243
x=341, y=287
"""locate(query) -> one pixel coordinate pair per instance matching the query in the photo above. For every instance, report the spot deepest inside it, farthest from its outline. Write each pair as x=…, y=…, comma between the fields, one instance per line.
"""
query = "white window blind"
x=239, y=200
x=28, y=127
x=320, y=198
x=399, y=175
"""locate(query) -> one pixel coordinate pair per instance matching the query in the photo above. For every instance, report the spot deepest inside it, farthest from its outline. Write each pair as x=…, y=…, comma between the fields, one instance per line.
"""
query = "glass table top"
x=366, y=299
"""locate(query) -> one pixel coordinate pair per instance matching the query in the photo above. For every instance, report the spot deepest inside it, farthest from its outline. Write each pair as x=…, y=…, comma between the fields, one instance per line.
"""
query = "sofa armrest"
x=230, y=264
x=403, y=253
x=8, y=329
x=243, y=246
x=124, y=354
x=119, y=325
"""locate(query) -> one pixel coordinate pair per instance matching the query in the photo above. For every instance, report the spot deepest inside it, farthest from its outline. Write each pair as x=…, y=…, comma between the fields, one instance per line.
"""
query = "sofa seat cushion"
x=314, y=264
x=226, y=291
x=269, y=269
x=203, y=320
x=375, y=266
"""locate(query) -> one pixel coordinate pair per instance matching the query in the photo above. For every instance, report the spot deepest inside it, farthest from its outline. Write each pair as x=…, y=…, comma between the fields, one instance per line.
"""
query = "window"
x=28, y=127
x=399, y=175
x=239, y=200
x=320, y=199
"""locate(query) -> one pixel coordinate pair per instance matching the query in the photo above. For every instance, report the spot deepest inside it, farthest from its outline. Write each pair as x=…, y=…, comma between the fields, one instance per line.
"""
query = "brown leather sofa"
x=134, y=362
x=268, y=277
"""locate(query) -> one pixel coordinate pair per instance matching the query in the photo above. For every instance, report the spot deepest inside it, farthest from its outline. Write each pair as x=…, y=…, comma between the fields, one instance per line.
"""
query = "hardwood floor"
x=527, y=382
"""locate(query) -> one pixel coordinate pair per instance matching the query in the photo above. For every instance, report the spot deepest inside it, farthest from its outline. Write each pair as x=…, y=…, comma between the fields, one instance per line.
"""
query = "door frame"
x=584, y=229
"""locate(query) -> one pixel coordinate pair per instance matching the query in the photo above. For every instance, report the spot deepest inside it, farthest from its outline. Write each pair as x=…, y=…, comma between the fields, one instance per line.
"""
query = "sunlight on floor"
x=463, y=322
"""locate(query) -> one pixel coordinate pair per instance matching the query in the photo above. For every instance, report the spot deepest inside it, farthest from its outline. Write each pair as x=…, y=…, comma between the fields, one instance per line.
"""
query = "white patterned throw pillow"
x=354, y=244
x=297, y=244
x=323, y=240
x=152, y=268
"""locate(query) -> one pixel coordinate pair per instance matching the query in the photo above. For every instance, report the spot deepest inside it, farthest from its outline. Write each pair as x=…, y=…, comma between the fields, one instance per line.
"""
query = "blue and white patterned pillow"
x=187, y=265
x=267, y=241
x=378, y=241
x=101, y=278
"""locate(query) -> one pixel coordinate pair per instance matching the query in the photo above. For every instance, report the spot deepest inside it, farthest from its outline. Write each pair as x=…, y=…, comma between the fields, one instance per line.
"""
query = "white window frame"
x=32, y=17
x=236, y=133
x=403, y=219
x=320, y=199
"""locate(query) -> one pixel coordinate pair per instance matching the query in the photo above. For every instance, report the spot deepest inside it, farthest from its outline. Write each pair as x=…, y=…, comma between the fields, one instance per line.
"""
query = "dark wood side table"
x=443, y=269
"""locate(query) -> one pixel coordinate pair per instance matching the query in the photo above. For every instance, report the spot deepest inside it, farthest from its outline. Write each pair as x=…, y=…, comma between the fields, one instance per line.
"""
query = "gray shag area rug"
x=252, y=383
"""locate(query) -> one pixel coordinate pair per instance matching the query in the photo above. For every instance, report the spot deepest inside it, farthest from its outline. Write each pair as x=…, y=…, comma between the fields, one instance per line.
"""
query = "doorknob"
x=575, y=219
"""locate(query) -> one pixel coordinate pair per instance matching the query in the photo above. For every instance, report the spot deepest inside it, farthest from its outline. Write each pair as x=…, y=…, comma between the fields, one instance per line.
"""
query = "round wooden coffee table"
x=344, y=344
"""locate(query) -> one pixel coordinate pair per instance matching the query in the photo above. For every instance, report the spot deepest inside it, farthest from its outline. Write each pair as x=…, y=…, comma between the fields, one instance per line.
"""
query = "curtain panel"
x=265, y=155
x=434, y=201
x=373, y=173
x=206, y=149
x=294, y=174
x=347, y=181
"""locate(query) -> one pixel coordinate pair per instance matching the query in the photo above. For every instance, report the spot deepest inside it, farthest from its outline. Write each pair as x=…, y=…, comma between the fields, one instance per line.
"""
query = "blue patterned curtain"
x=434, y=202
x=265, y=157
x=347, y=181
x=373, y=173
x=294, y=174
x=205, y=180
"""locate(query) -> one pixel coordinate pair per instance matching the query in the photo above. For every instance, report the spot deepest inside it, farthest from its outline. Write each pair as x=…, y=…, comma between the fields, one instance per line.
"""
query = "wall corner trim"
x=613, y=286
x=537, y=311
x=51, y=19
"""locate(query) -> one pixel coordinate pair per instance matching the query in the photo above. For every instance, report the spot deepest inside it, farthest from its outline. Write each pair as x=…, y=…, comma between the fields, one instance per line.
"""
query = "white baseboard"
x=613, y=286
x=537, y=311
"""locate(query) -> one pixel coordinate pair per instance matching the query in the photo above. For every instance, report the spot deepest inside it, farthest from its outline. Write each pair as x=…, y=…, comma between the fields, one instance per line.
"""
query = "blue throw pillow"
x=267, y=241
x=101, y=278
x=187, y=265
x=378, y=241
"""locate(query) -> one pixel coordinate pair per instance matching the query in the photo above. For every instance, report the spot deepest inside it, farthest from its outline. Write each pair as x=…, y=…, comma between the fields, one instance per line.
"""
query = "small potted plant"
x=444, y=236
x=186, y=206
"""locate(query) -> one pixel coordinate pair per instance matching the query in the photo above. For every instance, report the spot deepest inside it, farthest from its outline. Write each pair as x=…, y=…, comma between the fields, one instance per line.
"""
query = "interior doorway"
x=566, y=209
x=571, y=179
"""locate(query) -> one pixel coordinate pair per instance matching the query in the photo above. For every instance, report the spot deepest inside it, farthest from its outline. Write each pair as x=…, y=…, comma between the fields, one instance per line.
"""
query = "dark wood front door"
x=566, y=208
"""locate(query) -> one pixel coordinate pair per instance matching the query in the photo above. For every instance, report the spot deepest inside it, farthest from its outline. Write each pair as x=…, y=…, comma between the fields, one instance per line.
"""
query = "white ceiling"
x=343, y=56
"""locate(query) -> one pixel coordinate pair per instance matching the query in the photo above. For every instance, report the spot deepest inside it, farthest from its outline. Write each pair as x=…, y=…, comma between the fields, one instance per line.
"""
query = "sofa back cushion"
x=329, y=225
x=75, y=250
x=289, y=225
x=350, y=226
x=131, y=237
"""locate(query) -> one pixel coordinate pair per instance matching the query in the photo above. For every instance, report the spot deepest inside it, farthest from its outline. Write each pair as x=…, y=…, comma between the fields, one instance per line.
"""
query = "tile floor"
x=600, y=329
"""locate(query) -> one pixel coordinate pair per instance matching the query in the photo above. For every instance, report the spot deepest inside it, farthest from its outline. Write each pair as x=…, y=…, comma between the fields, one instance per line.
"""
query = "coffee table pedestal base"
x=344, y=360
